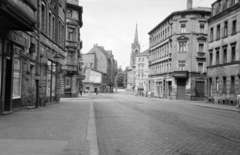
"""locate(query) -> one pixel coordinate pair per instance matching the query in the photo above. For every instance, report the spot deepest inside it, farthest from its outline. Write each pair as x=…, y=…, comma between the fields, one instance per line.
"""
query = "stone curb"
x=92, y=132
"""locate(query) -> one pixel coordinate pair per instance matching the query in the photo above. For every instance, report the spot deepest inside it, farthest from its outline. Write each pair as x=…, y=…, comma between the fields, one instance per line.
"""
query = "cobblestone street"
x=122, y=124
x=128, y=125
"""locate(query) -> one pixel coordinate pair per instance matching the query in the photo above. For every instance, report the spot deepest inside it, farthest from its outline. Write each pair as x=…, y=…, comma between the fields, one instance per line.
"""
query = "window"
x=16, y=73
x=218, y=32
x=200, y=67
x=53, y=28
x=70, y=34
x=234, y=27
x=210, y=58
x=50, y=24
x=202, y=28
x=217, y=56
x=201, y=47
x=183, y=28
x=69, y=13
x=142, y=59
x=233, y=53
x=224, y=84
x=225, y=28
x=225, y=55
x=232, y=83
x=139, y=59
x=182, y=46
x=181, y=65
x=43, y=17
x=217, y=83
x=211, y=34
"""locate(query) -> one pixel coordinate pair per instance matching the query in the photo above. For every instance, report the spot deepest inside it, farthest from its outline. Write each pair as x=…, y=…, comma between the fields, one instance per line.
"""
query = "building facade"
x=142, y=72
x=71, y=81
x=32, y=52
x=177, y=54
x=223, y=71
x=103, y=61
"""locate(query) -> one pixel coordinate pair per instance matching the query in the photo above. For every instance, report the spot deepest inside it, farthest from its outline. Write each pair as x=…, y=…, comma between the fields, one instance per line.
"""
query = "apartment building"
x=223, y=69
x=71, y=81
x=32, y=42
x=142, y=72
x=177, y=54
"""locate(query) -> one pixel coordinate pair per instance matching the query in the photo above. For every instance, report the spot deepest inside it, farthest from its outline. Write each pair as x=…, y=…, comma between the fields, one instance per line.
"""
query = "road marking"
x=91, y=132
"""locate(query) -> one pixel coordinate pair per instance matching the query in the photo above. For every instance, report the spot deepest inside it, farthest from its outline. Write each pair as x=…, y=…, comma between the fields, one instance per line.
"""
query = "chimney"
x=189, y=4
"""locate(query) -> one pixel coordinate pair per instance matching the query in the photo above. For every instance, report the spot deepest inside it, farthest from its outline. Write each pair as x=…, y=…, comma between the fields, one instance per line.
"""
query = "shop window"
x=217, y=83
x=16, y=73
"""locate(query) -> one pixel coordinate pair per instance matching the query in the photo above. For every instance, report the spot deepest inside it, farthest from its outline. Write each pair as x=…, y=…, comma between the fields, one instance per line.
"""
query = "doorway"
x=181, y=88
x=7, y=78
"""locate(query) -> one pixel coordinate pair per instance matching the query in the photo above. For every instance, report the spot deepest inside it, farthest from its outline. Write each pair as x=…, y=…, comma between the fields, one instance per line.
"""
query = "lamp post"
x=57, y=61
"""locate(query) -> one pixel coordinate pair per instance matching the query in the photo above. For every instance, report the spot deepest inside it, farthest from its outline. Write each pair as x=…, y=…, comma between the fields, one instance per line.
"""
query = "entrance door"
x=181, y=89
x=199, y=89
x=7, y=78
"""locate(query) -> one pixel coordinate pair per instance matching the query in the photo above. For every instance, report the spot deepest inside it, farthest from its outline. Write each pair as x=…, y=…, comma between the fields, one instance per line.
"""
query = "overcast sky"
x=112, y=23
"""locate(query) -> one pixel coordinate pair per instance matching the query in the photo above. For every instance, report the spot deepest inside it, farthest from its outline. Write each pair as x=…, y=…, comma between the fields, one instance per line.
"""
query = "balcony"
x=70, y=68
x=201, y=56
x=71, y=44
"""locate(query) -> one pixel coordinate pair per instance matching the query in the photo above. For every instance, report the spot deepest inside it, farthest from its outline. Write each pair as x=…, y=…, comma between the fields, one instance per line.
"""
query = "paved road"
x=129, y=125
x=126, y=125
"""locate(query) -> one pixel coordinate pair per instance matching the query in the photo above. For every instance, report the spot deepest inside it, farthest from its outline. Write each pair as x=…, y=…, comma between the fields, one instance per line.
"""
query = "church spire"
x=136, y=36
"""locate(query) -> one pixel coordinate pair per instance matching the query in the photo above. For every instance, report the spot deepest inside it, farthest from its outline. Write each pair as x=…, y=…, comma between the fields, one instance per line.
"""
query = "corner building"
x=177, y=54
x=223, y=71
x=71, y=81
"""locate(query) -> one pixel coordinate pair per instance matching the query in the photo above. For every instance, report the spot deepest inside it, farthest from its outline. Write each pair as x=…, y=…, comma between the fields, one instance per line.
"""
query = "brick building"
x=71, y=81
x=177, y=54
x=223, y=71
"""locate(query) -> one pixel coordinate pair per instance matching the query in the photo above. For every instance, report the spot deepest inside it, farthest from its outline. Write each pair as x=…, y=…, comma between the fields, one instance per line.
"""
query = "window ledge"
x=234, y=33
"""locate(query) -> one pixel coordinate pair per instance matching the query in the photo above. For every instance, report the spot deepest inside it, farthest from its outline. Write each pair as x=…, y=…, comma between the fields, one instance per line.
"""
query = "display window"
x=51, y=79
x=16, y=72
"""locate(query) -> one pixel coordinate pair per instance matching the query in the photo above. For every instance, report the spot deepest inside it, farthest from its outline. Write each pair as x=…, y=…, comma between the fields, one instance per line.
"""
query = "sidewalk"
x=55, y=129
x=204, y=104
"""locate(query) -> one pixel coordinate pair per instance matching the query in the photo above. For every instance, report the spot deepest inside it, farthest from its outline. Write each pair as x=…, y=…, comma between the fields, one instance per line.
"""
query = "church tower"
x=135, y=49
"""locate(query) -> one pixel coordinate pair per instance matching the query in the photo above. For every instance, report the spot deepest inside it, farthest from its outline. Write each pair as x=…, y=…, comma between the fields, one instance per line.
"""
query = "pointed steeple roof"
x=136, y=36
